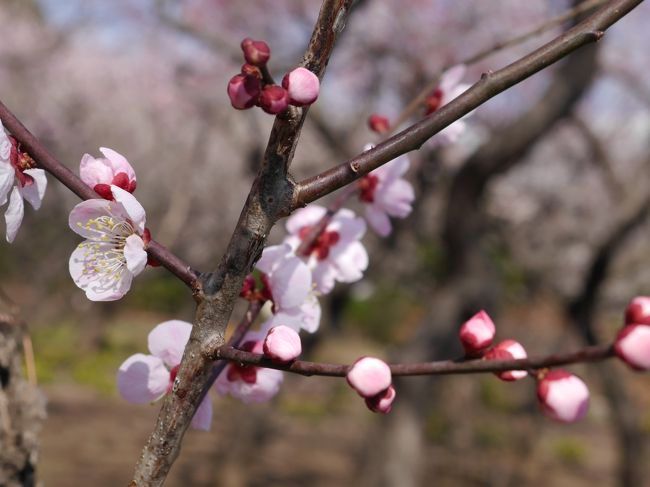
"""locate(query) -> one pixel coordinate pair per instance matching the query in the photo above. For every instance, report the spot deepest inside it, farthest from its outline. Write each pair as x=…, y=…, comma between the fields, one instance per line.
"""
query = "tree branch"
x=490, y=84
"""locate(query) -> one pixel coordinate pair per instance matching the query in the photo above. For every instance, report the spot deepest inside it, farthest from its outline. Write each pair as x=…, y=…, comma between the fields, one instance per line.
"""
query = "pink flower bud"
x=255, y=52
x=632, y=346
x=243, y=91
x=638, y=311
x=274, y=99
x=282, y=344
x=369, y=376
x=302, y=86
x=563, y=396
x=433, y=101
x=382, y=402
x=477, y=334
x=508, y=350
x=378, y=124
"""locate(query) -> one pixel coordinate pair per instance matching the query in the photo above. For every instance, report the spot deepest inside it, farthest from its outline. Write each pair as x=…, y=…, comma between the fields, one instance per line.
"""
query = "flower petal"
x=378, y=220
x=450, y=78
x=7, y=178
x=167, y=341
x=90, y=275
x=131, y=206
x=349, y=226
x=290, y=282
x=118, y=163
x=94, y=171
x=14, y=214
x=271, y=256
x=202, y=419
x=34, y=192
x=85, y=211
x=303, y=217
x=135, y=255
x=350, y=262
x=142, y=378
x=397, y=198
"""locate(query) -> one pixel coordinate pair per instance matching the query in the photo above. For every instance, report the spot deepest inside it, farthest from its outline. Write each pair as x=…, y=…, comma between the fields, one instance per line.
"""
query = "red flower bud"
x=638, y=311
x=633, y=346
x=378, y=124
x=244, y=91
x=302, y=85
x=274, y=99
x=255, y=52
x=508, y=350
x=476, y=334
x=433, y=101
x=562, y=396
x=382, y=402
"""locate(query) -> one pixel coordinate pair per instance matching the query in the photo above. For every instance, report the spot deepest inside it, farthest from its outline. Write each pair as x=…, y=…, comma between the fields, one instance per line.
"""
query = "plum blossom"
x=287, y=283
x=282, y=344
x=248, y=383
x=476, y=334
x=632, y=345
x=450, y=87
x=337, y=254
x=302, y=86
x=19, y=179
x=369, y=376
x=147, y=378
x=563, y=397
x=114, y=252
x=508, y=350
x=102, y=172
x=385, y=193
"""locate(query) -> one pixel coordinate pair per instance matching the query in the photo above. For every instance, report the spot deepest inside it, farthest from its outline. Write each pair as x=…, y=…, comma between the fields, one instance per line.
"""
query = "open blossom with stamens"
x=385, y=194
x=450, y=87
x=287, y=283
x=19, y=179
x=114, y=252
x=248, y=383
x=102, y=172
x=147, y=378
x=337, y=254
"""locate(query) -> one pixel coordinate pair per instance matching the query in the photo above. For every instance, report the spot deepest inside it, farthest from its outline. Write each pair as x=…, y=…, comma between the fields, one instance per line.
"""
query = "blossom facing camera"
x=256, y=53
x=302, y=86
x=146, y=378
x=114, y=252
x=638, y=311
x=562, y=396
x=382, y=403
x=632, y=346
x=103, y=172
x=244, y=91
x=378, y=124
x=274, y=99
x=476, y=334
x=508, y=350
x=449, y=88
x=282, y=344
x=369, y=376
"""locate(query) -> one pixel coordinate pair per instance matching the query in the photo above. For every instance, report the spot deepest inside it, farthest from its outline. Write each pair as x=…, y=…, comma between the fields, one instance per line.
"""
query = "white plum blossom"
x=385, y=193
x=248, y=383
x=114, y=252
x=288, y=284
x=102, y=172
x=337, y=254
x=146, y=378
x=449, y=88
x=19, y=179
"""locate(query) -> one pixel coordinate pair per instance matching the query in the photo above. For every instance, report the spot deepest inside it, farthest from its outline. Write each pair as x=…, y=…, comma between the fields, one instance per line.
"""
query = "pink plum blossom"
x=633, y=346
x=248, y=383
x=383, y=402
x=450, y=87
x=102, y=172
x=476, y=334
x=244, y=91
x=302, y=86
x=508, y=350
x=19, y=179
x=288, y=284
x=562, y=396
x=337, y=254
x=369, y=376
x=282, y=344
x=114, y=252
x=638, y=311
x=385, y=193
x=146, y=378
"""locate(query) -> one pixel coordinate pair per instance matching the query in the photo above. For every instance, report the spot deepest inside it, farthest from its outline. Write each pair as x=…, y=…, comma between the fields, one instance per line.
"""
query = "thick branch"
x=490, y=84
x=443, y=367
x=51, y=164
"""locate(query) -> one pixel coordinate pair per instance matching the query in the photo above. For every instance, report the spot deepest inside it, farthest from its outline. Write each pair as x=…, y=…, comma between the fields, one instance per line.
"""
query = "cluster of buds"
x=632, y=343
x=562, y=396
x=253, y=86
x=372, y=380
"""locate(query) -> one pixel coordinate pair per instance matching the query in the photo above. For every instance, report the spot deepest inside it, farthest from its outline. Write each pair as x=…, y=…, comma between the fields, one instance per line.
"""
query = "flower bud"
x=282, y=344
x=632, y=346
x=243, y=91
x=562, y=396
x=477, y=334
x=382, y=402
x=433, y=101
x=378, y=124
x=251, y=70
x=369, y=376
x=255, y=52
x=302, y=85
x=508, y=350
x=274, y=99
x=638, y=311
